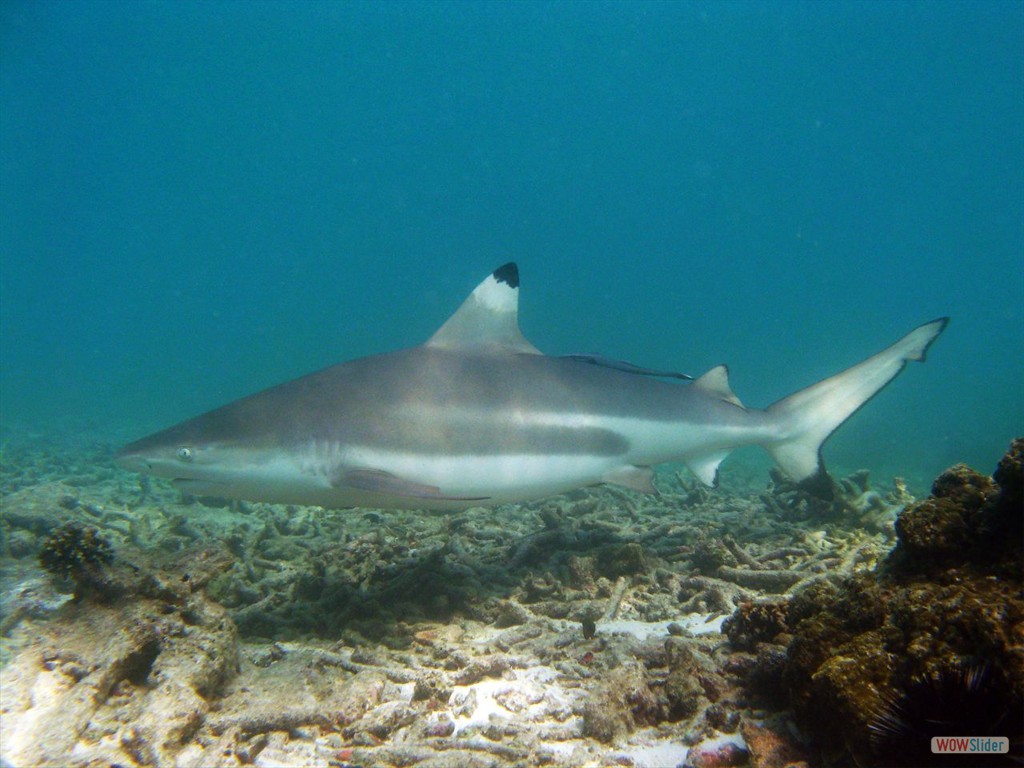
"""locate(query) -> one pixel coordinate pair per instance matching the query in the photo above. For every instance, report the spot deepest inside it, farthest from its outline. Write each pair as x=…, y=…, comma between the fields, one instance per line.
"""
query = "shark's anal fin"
x=488, y=319
x=706, y=467
x=381, y=481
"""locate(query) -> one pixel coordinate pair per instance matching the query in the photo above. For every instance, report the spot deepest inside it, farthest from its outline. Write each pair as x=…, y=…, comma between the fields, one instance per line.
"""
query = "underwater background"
x=202, y=199
x=199, y=200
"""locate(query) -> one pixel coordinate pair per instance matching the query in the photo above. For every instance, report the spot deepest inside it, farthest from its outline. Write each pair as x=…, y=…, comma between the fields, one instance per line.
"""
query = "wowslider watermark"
x=970, y=745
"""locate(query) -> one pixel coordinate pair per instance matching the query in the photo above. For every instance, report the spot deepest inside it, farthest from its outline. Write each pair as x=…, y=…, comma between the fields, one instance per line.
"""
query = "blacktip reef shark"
x=479, y=416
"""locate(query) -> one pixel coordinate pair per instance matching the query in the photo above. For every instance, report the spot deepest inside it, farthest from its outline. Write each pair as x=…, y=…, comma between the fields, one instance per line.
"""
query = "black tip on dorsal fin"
x=488, y=318
x=508, y=273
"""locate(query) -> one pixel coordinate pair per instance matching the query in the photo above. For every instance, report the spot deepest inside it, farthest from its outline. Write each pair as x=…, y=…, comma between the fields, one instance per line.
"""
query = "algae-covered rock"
x=969, y=519
x=1003, y=527
x=630, y=697
x=883, y=657
x=1009, y=476
x=944, y=527
x=626, y=560
x=618, y=705
x=755, y=622
x=76, y=552
x=771, y=746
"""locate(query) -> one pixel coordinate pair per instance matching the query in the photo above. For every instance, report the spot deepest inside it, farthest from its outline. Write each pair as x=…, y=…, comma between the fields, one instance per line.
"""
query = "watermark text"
x=970, y=745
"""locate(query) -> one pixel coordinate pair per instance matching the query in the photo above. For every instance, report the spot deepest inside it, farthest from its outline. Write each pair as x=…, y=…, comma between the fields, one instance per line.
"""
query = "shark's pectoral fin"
x=637, y=478
x=382, y=481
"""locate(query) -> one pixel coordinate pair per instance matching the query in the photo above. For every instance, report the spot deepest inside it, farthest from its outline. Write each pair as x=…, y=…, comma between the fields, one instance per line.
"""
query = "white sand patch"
x=672, y=753
x=657, y=756
x=526, y=695
x=694, y=623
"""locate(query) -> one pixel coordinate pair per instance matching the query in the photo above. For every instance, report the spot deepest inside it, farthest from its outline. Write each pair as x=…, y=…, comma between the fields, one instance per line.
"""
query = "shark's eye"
x=185, y=454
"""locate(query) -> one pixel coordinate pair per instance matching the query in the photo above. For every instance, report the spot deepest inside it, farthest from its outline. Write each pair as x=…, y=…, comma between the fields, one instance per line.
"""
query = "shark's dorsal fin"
x=716, y=384
x=488, y=318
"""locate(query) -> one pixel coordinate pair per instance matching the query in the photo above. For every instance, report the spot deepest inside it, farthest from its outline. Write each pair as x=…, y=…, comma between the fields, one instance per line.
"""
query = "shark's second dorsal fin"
x=716, y=384
x=488, y=318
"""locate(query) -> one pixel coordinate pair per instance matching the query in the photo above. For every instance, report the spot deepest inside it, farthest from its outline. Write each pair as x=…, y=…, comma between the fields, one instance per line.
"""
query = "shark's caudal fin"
x=805, y=419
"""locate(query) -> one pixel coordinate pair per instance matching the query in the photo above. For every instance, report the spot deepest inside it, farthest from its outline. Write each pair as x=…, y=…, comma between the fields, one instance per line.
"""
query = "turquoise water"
x=198, y=200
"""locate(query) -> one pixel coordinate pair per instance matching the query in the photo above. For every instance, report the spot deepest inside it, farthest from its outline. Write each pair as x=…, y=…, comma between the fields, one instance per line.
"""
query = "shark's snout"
x=132, y=462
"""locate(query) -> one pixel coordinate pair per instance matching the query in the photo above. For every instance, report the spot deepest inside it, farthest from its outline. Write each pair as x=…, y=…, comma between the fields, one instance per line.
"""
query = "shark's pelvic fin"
x=488, y=318
x=805, y=420
x=637, y=478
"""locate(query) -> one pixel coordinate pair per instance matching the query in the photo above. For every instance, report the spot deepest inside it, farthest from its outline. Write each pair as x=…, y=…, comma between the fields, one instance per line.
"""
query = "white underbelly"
x=499, y=478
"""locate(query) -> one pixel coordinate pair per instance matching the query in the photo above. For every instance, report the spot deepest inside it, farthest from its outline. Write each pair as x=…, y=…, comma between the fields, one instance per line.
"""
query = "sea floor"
x=582, y=630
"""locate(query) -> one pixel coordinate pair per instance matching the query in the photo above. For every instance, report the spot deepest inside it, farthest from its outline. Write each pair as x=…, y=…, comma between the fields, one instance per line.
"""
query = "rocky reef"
x=930, y=643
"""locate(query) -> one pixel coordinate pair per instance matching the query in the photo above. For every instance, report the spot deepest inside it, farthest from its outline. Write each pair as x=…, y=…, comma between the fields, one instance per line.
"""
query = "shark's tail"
x=804, y=420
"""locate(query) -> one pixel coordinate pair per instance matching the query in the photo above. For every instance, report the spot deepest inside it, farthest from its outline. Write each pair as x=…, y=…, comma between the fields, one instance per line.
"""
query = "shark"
x=478, y=416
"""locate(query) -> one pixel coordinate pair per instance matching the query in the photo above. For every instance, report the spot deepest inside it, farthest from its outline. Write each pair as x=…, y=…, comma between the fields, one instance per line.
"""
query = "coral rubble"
x=582, y=630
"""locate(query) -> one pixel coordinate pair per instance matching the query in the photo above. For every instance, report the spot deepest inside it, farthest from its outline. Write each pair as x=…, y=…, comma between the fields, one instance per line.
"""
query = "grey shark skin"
x=478, y=416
